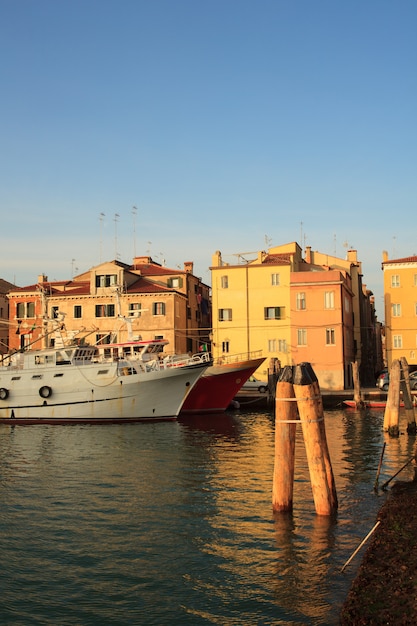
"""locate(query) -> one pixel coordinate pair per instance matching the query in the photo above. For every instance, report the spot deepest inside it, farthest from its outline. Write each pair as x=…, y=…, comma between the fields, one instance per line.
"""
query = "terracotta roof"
x=146, y=286
x=407, y=259
x=150, y=269
x=277, y=259
x=5, y=286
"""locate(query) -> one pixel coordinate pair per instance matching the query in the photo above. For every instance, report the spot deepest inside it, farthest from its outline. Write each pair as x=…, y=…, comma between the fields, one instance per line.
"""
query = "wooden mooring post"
x=302, y=383
x=286, y=418
x=406, y=393
x=392, y=408
x=357, y=398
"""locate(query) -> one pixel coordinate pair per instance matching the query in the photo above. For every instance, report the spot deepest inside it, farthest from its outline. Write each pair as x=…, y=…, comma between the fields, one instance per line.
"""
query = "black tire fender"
x=45, y=391
x=4, y=393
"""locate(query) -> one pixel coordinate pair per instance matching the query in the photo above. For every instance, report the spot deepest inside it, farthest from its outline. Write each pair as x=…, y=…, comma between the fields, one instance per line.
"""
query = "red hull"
x=215, y=390
x=371, y=404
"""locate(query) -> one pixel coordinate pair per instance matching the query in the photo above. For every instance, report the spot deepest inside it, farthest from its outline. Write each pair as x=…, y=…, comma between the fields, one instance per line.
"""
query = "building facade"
x=400, y=304
x=113, y=302
x=293, y=309
x=5, y=287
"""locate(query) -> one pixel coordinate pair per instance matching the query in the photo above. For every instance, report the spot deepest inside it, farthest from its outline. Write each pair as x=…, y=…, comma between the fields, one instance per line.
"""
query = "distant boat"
x=96, y=384
x=216, y=389
x=369, y=404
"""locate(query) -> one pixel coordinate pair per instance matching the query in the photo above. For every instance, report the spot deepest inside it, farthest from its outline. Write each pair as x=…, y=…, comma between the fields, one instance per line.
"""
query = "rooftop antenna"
x=101, y=218
x=394, y=251
x=116, y=219
x=134, y=212
x=148, y=251
x=268, y=241
x=334, y=241
x=301, y=232
x=73, y=268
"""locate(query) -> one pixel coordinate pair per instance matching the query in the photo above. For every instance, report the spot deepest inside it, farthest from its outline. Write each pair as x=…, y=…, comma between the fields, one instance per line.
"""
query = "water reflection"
x=172, y=523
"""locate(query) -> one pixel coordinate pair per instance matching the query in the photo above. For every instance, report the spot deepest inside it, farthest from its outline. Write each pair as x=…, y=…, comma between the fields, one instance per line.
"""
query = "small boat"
x=96, y=383
x=216, y=389
x=369, y=404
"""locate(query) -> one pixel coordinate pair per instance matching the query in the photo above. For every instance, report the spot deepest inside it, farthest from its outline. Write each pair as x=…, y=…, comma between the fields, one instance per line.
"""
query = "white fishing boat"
x=96, y=384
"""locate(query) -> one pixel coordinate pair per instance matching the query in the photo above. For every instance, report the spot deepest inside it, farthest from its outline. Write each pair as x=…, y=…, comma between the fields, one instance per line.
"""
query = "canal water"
x=171, y=523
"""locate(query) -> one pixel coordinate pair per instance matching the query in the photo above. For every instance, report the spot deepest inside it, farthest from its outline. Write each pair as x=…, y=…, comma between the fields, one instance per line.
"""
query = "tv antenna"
x=115, y=219
x=134, y=212
x=101, y=218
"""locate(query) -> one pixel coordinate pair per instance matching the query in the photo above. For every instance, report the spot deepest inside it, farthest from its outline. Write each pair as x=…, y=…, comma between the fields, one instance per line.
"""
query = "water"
x=171, y=523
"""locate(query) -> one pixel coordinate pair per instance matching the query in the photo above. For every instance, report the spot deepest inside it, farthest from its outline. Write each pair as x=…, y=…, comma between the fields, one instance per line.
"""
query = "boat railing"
x=236, y=358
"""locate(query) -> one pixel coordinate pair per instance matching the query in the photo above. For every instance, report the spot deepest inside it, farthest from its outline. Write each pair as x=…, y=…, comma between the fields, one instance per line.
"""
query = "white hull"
x=96, y=392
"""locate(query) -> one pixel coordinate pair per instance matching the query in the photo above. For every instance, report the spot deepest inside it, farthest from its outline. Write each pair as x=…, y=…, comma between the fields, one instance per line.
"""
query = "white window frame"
x=301, y=336
x=301, y=301
x=330, y=337
x=329, y=299
x=395, y=280
x=275, y=280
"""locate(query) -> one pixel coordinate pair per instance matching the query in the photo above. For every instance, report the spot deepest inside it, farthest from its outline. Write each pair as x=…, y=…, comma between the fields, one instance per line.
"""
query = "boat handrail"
x=235, y=358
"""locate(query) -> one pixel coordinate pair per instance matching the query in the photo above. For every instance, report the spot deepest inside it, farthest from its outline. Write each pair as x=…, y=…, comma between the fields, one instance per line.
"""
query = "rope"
x=320, y=419
x=317, y=397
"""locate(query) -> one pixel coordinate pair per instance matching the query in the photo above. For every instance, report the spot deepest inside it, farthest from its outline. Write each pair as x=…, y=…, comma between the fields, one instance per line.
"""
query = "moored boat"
x=215, y=391
x=96, y=384
x=368, y=404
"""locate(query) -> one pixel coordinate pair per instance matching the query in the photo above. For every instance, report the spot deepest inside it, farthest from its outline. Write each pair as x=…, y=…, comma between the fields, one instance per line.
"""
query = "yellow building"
x=294, y=309
x=400, y=297
x=251, y=304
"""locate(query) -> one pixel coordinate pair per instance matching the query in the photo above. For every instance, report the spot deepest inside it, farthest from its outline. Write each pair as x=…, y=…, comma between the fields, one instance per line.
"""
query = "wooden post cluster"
x=399, y=383
x=298, y=400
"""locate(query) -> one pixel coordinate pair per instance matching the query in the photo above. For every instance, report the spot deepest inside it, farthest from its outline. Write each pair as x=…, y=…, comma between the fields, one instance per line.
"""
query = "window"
x=301, y=301
x=415, y=308
x=225, y=346
x=77, y=311
x=175, y=282
x=54, y=312
x=274, y=312
x=415, y=280
x=106, y=280
x=329, y=299
x=301, y=337
x=134, y=309
x=397, y=341
x=330, y=337
x=272, y=345
x=225, y=282
x=102, y=339
x=282, y=345
x=347, y=305
x=225, y=315
x=395, y=280
x=104, y=310
x=275, y=280
x=25, y=309
x=158, y=308
x=396, y=310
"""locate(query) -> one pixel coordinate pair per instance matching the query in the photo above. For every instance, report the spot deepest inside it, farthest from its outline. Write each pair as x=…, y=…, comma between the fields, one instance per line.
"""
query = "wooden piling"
x=406, y=393
x=392, y=408
x=310, y=409
x=357, y=398
x=286, y=417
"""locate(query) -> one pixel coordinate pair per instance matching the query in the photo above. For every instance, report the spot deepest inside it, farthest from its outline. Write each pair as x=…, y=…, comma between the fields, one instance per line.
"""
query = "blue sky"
x=231, y=125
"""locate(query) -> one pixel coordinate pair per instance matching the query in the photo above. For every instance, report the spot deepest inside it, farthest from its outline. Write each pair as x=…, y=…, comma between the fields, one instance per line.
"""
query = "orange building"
x=322, y=325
